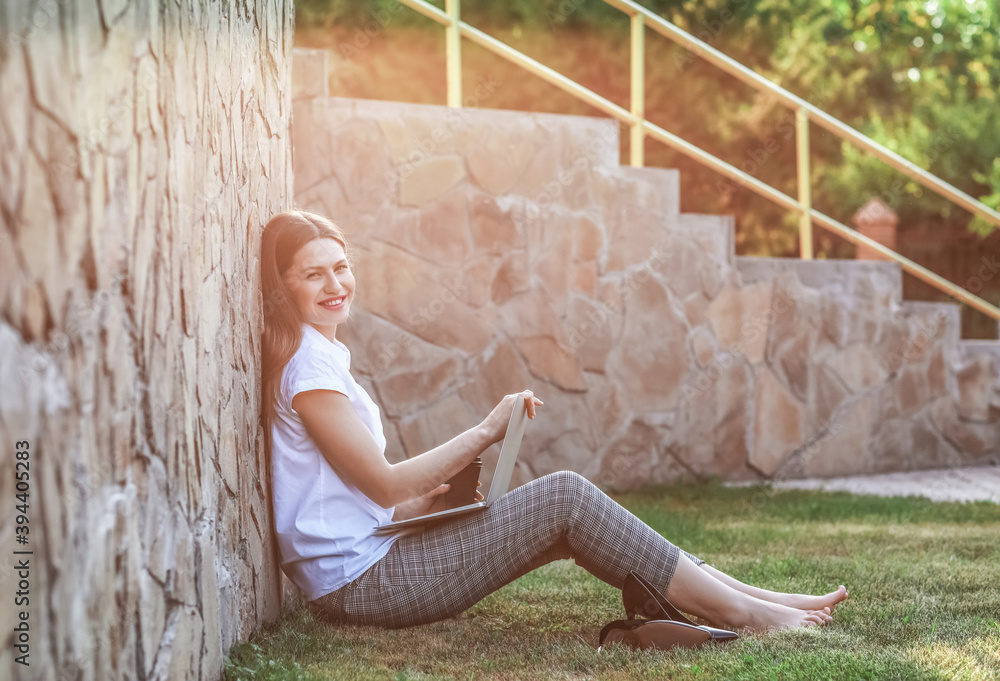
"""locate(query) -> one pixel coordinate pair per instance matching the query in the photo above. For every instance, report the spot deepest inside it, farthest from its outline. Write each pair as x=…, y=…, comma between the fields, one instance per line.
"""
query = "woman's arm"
x=405, y=510
x=347, y=444
x=429, y=503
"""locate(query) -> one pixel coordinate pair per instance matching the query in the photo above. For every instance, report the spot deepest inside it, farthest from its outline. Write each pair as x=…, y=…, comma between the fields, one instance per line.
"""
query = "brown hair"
x=283, y=236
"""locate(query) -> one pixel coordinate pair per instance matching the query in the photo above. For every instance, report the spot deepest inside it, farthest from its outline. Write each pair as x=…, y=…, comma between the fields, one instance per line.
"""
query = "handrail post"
x=805, y=195
x=453, y=53
x=637, y=135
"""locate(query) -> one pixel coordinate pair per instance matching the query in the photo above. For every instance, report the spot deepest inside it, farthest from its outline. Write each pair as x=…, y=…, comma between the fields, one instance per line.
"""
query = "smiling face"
x=321, y=284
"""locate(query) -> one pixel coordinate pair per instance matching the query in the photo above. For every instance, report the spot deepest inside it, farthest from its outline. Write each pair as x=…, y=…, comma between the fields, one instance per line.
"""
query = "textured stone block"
x=477, y=280
x=512, y=277
x=793, y=361
x=442, y=231
x=841, y=448
x=713, y=417
x=496, y=162
x=740, y=319
x=435, y=425
x=635, y=235
x=976, y=383
x=530, y=314
x=978, y=439
x=357, y=159
x=430, y=179
x=419, y=298
x=212, y=645
x=499, y=372
x=703, y=346
x=494, y=229
x=402, y=391
x=569, y=452
x=379, y=348
x=648, y=357
x=151, y=620
x=658, y=189
x=826, y=392
x=589, y=328
x=857, y=367
x=183, y=644
x=779, y=424
x=551, y=361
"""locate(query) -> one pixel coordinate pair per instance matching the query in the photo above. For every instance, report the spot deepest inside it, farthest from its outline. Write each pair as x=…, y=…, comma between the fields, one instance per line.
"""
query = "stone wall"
x=144, y=145
x=500, y=250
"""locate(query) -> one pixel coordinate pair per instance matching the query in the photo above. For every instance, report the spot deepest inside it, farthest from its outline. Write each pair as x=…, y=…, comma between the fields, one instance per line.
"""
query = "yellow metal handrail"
x=639, y=128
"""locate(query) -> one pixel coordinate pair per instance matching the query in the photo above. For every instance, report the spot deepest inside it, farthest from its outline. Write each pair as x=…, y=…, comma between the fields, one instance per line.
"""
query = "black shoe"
x=640, y=597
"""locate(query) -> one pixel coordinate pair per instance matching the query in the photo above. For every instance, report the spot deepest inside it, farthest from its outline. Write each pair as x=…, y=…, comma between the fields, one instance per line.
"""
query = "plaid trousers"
x=448, y=567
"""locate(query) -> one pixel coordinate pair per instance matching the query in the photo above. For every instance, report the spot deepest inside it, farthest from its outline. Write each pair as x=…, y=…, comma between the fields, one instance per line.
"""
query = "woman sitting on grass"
x=333, y=485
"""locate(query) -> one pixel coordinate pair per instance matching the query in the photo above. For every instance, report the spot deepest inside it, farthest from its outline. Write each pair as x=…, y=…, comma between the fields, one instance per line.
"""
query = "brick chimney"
x=876, y=221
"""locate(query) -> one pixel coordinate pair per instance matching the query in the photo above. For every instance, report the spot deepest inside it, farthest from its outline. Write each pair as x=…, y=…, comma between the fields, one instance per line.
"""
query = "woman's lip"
x=326, y=304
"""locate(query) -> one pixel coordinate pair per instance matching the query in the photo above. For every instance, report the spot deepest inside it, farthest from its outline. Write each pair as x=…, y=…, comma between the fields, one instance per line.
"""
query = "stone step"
x=516, y=138
x=931, y=315
x=977, y=382
x=867, y=279
x=657, y=189
x=972, y=348
x=620, y=196
x=714, y=234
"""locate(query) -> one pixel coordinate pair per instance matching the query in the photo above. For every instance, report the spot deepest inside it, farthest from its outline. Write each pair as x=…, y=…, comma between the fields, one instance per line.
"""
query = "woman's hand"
x=495, y=425
x=432, y=502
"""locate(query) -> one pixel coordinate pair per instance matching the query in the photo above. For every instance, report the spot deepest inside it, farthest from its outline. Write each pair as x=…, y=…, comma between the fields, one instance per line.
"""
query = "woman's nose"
x=333, y=284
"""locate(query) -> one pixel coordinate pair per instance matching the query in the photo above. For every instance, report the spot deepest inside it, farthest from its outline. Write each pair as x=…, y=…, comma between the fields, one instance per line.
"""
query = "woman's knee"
x=570, y=484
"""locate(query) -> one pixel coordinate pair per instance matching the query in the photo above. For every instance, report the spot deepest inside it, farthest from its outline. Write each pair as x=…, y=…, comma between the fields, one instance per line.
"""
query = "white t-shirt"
x=324, y=524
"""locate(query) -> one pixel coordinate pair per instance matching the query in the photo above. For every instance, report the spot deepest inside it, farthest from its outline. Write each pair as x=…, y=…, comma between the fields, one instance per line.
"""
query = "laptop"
x=498, y=487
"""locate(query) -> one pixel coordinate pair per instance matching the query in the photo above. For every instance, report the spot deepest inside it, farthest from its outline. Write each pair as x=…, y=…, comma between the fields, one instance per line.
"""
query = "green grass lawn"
x=925, y=601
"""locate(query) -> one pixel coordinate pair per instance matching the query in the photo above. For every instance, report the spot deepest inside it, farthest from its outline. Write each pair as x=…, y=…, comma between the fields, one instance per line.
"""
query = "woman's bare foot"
x=799, y=601
x=725, y=601
x=765, y=616
x=806, y=602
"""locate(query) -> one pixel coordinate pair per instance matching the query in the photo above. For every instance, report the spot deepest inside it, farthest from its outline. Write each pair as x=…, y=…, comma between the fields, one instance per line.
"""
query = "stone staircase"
x=498, y=250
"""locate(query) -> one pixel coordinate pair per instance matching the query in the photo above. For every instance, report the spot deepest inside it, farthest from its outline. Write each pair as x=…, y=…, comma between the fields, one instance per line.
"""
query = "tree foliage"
x=920, y=77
